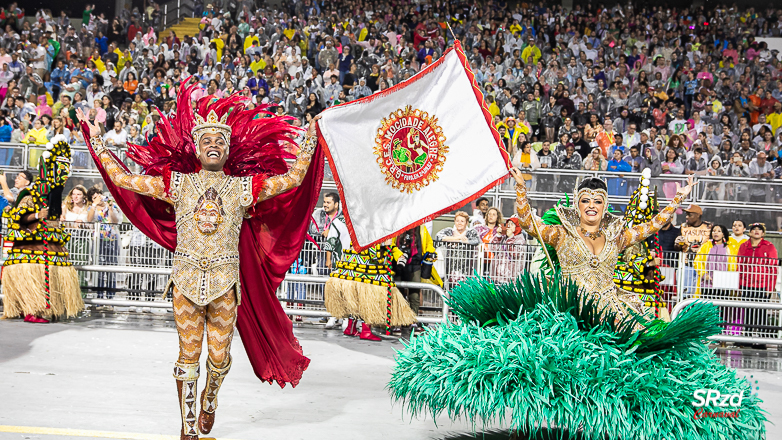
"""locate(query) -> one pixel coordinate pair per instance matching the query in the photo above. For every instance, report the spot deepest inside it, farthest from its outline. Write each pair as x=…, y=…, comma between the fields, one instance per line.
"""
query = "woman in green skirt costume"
x=569, y=354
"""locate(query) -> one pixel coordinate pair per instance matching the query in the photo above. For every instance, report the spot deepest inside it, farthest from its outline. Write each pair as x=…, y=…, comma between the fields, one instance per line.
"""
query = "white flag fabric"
x=408, y=154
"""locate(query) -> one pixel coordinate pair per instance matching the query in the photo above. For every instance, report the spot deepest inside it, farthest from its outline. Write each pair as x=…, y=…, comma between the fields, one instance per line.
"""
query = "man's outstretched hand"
x=94, y=129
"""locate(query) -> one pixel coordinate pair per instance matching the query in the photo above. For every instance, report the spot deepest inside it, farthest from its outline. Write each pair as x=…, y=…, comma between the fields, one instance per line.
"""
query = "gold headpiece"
x=591, y=193
x=211, y=125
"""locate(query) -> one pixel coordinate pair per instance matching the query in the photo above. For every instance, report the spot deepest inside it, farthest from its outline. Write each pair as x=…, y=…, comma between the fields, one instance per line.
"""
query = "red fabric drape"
x=268, y=244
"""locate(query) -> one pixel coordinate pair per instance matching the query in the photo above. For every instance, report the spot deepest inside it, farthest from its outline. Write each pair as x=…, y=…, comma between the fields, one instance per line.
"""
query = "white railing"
x=120, y=266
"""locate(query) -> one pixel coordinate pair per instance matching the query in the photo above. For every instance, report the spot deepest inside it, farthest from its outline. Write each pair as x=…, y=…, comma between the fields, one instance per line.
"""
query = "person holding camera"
x=105, y=212
x=413, y=253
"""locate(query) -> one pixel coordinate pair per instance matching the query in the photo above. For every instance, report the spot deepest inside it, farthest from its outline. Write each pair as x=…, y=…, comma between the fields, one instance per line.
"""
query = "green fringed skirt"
x=546, y=367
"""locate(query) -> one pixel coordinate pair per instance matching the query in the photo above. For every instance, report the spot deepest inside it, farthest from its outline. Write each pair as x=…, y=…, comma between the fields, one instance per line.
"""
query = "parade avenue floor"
x=109, y=376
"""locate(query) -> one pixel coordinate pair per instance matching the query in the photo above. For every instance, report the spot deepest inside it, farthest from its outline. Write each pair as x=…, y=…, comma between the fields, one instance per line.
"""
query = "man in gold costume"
x=210, y=207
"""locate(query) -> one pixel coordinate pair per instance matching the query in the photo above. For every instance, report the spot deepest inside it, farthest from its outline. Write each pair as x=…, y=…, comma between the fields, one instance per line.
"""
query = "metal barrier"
x=119, y=263
x=311, y=307
x=133, y=266
x=735, y=304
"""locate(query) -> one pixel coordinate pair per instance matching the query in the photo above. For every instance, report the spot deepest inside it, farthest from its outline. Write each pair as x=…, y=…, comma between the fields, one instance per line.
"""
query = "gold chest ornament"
x=209, y=212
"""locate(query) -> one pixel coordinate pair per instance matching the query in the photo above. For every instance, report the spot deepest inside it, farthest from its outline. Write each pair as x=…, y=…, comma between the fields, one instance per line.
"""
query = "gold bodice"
x=593, y=273
x=210, y=208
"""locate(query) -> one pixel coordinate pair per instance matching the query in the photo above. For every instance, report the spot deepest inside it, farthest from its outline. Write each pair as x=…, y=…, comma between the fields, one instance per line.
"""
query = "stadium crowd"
x=606, y=89
x=669, y=82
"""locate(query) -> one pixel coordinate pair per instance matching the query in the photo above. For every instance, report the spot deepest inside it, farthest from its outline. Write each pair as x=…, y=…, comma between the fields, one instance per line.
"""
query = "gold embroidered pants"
x=219, y=318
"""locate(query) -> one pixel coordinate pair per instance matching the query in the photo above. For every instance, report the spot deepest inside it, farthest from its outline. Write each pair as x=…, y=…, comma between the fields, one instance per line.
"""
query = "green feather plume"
x=481, y=301
x=537, y=353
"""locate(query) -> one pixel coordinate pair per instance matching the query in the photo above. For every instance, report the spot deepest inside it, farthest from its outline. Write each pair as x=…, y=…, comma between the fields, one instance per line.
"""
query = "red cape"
x=268, y=244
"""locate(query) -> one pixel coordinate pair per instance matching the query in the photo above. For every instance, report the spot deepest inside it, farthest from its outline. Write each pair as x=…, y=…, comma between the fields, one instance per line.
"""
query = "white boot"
x=331, y=323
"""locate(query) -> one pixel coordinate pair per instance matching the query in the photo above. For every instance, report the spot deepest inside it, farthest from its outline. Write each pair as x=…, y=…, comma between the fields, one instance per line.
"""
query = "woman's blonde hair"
x=461, y=214
x=69, y=200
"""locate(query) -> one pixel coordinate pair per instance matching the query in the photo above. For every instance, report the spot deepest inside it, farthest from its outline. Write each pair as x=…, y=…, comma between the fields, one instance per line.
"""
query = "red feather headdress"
x=257, y=137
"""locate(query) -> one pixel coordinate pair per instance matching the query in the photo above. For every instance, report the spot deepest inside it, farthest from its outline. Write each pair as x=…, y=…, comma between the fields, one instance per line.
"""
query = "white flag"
x=408, y=154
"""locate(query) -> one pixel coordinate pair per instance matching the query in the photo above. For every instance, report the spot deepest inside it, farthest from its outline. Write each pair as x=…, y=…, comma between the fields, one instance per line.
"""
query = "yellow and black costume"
x=39, y=282
x=362, y=286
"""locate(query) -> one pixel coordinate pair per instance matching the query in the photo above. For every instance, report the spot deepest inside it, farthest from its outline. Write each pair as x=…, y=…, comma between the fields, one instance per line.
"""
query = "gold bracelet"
x=308, y=146
x=98, y=145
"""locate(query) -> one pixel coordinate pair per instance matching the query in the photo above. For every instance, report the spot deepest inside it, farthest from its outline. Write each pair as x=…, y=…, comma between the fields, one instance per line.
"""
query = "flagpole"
x=451, y=30
x=537, y=232
x=540, y=237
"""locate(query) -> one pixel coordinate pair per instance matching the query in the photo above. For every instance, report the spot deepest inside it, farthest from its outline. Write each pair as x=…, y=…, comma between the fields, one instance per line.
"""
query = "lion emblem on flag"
x=410, y=149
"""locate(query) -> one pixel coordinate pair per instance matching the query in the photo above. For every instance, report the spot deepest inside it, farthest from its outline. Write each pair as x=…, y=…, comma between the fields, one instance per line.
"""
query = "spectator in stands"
x=104, y=211
x=595, y=161
x=653, y=162
x=5, y=136
x=323, y=217
x=618, y=146
x=694, y=232
x=570, y=160
x=618, y=186
x=22, y=181
x=671, y=166
x=581, y=146
x=696, y=164
x=526, y=160
x=758, y=267
x=547, y=160
x=738, y=235
x=116, y=137
x=479, y=213
x=747, y=152
x=491, y=227
x=669, y=239
x=460, y=232
x=508, y=252
x=760, y=169
x=676, y=144
x=716, y=254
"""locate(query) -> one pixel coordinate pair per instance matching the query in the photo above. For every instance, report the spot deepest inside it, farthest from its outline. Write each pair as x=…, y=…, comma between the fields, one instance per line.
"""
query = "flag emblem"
x=410, y=149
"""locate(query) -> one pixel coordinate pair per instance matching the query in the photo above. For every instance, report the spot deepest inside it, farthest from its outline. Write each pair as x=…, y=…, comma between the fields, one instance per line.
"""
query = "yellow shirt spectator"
x=36, y=136
x=99, y=64
x=249, y=42
x=219, y=44
x=775, y=119
x=257, y=65
x=493, y=109
x=531, y=51
x=290, y=32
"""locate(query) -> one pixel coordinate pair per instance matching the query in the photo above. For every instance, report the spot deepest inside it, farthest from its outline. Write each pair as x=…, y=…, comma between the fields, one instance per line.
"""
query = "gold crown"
x=211, y=125
x=591, y=193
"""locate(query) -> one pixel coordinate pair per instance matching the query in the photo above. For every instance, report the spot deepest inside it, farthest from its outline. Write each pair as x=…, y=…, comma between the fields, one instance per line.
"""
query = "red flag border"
x=457, y=47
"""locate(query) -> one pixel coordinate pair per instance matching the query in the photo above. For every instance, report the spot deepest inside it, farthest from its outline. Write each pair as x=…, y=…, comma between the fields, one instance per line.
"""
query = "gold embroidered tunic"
x=593, y=273
x=210, y=207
